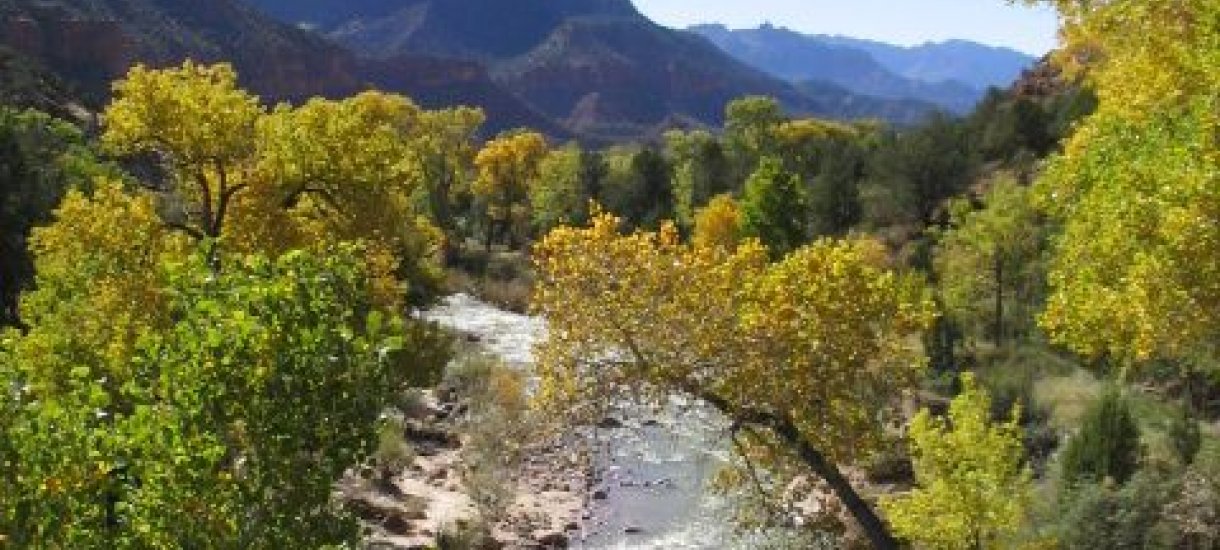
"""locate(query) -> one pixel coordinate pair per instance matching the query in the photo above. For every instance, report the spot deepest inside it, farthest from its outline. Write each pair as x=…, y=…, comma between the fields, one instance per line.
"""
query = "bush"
x=393, y=453
x=464, y=536
x=1184, y=436
x=1107, y=446
x=1104, y=515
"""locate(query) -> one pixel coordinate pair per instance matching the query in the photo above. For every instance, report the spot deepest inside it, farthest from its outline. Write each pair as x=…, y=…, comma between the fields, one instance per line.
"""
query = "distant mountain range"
x=593, y=69
x=953, y=74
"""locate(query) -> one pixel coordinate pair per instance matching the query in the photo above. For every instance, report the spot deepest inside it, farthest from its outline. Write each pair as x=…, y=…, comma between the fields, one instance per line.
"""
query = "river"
x=655, y=468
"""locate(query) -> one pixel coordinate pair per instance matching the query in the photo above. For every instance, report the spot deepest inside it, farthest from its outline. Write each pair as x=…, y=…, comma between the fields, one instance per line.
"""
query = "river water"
x=655, y=468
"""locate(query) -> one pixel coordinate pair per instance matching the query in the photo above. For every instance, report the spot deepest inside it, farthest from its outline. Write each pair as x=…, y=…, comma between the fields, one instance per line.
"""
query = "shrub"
x=1107, y=446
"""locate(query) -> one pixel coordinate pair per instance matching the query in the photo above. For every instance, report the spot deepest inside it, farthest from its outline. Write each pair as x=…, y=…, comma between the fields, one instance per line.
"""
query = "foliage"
x=988, y=263
x=917, y=169
x=1136, y=183
x=719, y=224
x=773, y=208
x=560, y=197
x=834, y=196
x=972, y=488
x=194, y=449
x=700, y=171
x=344, y=171
x=749, y=131
x=40, y=159
x=497, y=430
x=198, y=122
x=311, y=176
x=508, y=167
x=1107, y=445
x=99, y=288
x=804, y=351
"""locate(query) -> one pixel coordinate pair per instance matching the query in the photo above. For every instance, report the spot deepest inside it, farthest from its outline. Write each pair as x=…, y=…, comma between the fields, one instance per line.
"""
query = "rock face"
x=91, y=42
x=597, y=67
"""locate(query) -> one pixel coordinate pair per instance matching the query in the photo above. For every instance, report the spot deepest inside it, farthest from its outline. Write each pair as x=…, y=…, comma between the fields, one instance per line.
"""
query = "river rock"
x=610, y=423
x=553, y=540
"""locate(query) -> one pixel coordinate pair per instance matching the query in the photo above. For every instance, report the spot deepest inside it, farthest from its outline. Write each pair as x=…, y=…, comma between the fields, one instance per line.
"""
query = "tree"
x=334, y=171
x=972, y=487
x=834, y=194
x=98, y=288
x=700, y=171
x=41, y=158
x=1107, y=446
x=194, y=448
x=749, y=132
x=718, y=224
x=200, y=124
x=773, y=208
x=1136, y=188
x=559, y=197
x=508, y=167
x=988, y=262
x=654, y=200
x=924, y=166
x=800, y=355
x=311, y=176
x=444, y=147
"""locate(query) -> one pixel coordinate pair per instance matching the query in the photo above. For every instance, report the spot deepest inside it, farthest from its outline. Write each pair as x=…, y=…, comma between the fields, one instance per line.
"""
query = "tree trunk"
x=875, y=529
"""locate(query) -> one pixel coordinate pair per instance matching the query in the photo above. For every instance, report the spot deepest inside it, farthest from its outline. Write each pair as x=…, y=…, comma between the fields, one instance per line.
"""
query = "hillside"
x=597, y=66
x=92, y=42
x=798, y=58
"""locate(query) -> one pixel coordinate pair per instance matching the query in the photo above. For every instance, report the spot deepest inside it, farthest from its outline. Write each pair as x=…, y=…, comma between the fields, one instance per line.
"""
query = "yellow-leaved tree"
x=1137, y=188
x=802, y=355
x=200, y=125
x=99, y=288
x=973, y=489
x=252, y=181
x=718, y=224
x=508, y=167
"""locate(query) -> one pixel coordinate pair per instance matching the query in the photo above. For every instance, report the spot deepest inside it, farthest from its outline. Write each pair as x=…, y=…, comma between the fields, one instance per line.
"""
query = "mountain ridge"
x=598, y=67
x=937, y=72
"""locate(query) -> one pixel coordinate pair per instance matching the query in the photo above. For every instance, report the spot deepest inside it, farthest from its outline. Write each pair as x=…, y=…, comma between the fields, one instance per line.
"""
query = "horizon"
x=1029, y=30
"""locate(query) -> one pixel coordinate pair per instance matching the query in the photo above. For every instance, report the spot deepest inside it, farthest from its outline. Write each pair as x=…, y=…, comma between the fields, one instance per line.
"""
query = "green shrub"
x=1107, y=446
x=1184, y=436
x=1104, y=515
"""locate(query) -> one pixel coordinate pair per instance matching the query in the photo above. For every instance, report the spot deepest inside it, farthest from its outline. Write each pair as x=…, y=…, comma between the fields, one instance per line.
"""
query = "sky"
x=903, y=22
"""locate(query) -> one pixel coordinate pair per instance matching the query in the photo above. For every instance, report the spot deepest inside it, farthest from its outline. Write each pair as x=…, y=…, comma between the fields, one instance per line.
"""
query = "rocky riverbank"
x=549, y=493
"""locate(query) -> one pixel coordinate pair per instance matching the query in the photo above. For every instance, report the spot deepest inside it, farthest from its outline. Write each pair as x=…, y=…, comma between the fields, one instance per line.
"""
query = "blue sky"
x=904, y=22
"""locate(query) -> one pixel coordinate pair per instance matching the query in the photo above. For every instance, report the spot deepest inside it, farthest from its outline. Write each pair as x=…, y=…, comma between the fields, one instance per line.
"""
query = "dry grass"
x=1067, y=397
x=503, y=279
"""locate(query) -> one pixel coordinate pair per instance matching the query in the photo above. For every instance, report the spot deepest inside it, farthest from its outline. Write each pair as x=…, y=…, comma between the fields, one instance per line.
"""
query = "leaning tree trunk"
x=875, y=529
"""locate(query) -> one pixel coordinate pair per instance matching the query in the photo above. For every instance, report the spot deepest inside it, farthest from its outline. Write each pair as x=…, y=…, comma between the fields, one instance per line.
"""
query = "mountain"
x=91, y=42
x=479, y=29
x=974, y=64
x=27, y=85
x=598, y=67
x=802, y=58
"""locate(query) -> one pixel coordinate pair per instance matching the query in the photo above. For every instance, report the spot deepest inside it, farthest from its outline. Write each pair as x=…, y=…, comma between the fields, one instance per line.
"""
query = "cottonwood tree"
x=256, y=181
x=1134, y=274
x=972, y=489
x=192, y=447
x=718, y=224
x=508, y=167
x=801, y=354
